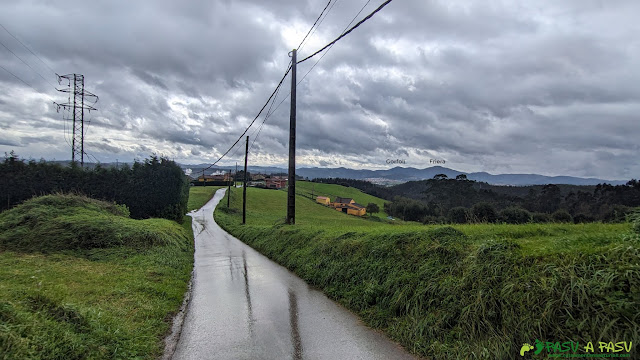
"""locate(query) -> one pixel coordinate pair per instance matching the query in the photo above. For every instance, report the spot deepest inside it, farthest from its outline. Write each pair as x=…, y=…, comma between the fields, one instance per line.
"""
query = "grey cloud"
x=492, y=86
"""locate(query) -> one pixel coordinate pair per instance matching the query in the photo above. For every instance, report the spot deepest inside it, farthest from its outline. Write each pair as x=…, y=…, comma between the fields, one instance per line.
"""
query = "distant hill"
x=413, y=174
x=398, y=174
x=405, y=174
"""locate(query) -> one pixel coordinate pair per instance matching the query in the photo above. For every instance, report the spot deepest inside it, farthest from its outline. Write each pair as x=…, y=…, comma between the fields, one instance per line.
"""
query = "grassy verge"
x=471, y=291
x=200, y=195
x=79, y=279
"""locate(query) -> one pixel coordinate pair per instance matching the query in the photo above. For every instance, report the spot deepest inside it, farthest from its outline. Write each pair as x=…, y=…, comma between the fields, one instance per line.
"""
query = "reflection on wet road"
x=244, y=306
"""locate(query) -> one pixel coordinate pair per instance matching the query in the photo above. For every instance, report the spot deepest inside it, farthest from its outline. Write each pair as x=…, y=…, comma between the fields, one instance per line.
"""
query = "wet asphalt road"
x=244, y=306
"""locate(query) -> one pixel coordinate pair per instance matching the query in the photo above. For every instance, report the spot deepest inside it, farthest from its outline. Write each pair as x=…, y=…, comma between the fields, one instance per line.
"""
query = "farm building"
x=323, y=200
x=275, y=182
x=348, y=206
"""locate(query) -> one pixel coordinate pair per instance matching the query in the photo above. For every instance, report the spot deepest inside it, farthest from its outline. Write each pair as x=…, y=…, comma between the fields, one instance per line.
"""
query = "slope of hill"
x=332, y=191
x=447, y=292
x=79, y=279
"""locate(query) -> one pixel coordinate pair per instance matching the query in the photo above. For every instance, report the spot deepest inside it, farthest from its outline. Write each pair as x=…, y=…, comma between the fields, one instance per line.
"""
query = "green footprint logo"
x=525, y=347
x=539, y=347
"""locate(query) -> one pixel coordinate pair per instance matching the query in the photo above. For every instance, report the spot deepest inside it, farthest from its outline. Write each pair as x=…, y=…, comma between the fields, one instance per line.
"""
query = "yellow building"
x=348, y=206
x=323, y=200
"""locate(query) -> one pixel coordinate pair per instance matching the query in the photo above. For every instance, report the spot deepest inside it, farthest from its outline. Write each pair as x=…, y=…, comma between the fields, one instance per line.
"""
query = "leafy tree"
x=562, y=216
x=484, y=212
x=440, y=177
x=459, y=215
x=461, y=177
x=373, y=208
x=540, y=218
x=515, y=215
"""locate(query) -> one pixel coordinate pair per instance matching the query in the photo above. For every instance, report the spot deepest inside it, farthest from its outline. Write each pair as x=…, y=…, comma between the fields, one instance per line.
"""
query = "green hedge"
x=156, y=187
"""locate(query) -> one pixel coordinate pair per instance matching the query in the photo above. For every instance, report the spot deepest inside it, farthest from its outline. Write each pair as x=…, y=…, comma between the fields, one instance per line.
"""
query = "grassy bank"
x=79, y=279
x=472, y=291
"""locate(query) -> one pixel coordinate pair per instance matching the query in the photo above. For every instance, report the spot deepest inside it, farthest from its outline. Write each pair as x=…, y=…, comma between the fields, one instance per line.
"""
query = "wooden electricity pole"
x=291, y=196
x=229, y=189
x=244, y=190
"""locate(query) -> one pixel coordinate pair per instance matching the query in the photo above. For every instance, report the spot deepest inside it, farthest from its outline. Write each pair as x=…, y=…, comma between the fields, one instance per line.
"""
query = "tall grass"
x=80, y=280
x=471, y=291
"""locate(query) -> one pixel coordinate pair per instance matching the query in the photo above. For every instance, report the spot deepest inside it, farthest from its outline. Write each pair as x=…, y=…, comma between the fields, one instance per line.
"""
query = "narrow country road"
x=244, y=306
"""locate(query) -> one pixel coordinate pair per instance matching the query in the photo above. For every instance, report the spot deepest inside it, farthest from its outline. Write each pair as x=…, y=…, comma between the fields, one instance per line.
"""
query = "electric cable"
x=314, y=24
x=26, y=47
x=347, y=32
x=253, y=121
x=320, y=23
x=24, y=82
x=24, y=62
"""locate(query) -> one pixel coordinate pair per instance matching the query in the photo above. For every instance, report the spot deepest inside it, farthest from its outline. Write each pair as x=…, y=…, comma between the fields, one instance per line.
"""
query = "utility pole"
x=229, y=189
x=204, y=179
x=244, y=190
x=291, y=196
x=77, y=108
x=236, y=174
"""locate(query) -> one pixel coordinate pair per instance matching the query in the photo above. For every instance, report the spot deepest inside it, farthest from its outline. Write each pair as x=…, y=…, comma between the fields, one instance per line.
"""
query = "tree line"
x=460, y=200
x=155, y=187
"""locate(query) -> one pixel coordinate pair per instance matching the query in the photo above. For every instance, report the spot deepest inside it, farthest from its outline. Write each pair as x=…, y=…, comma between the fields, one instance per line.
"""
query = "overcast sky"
x=548, y=87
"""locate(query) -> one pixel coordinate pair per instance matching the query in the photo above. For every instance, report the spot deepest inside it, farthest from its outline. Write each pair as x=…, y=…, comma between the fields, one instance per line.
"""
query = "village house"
x=215, y=177
x=275, y=182
x=348, y=206
x=323, y=200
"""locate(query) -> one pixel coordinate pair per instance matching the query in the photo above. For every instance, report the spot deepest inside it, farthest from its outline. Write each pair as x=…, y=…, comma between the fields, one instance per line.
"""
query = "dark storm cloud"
x=488, y=86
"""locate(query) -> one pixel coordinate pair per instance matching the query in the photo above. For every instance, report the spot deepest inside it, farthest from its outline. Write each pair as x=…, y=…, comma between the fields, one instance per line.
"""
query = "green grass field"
x=199, y=195
x=306, y=189
x=80, y=280
x=464, y=291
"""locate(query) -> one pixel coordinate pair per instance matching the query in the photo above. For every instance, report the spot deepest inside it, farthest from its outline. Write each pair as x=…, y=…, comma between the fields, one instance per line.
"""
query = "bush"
x=434, y=220
x=562, y=216
x=583, y=218
x=484, y=212
x=635, y=220
x=458, y=215
x=515, y=215
x=72, y=222
x=616, y=214
x=540, y=218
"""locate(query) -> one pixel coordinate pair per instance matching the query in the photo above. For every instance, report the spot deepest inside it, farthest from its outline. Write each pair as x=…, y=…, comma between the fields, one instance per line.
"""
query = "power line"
x=24, y=82
x=320, y=23
x=269, y=113
x=254, y=120
x=347, y=32
x=26, y=47
x=331, y=47
x=19, y=58
x=314, y=24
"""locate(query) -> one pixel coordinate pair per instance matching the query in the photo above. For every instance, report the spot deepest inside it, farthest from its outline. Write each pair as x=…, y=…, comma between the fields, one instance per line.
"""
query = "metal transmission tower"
x=77, y=107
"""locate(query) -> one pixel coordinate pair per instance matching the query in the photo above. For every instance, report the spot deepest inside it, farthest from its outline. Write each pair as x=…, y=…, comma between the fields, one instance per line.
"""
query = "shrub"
x=484, y=212
x=540, y=218
x=635, y=220
x=434, y=220
x=459, y=215
x=561, y=216
x=583, y=218
x=616, y=213
x=515, y=215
